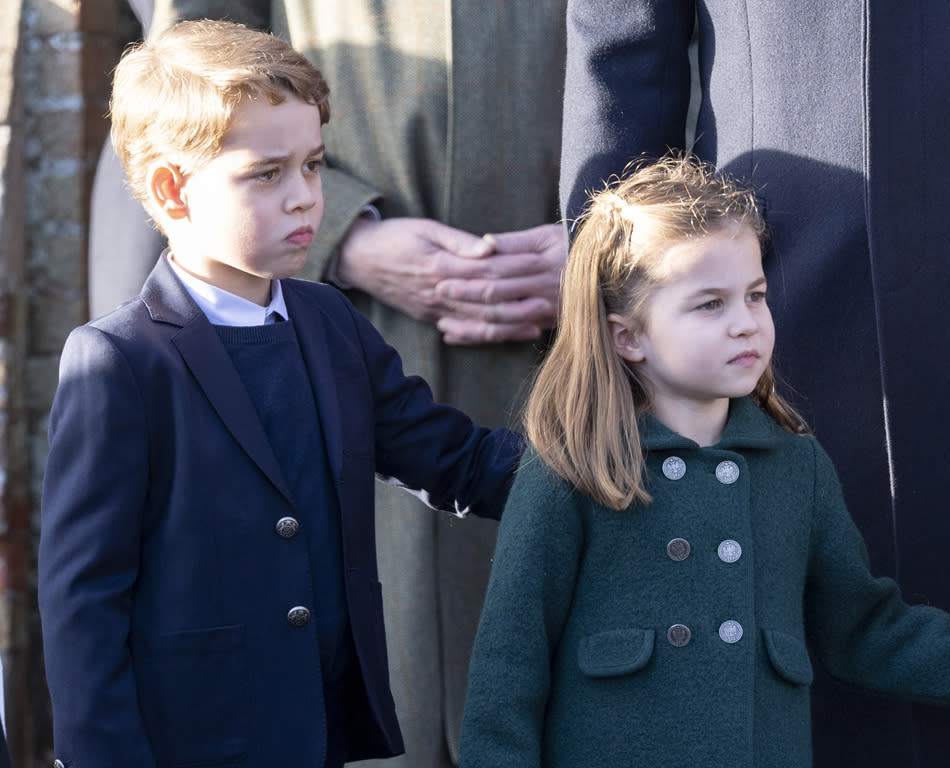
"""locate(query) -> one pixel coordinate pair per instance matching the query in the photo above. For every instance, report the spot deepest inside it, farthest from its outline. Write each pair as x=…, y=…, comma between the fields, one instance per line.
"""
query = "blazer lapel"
x=210, y=364
x=310, y=327
x=208, y=361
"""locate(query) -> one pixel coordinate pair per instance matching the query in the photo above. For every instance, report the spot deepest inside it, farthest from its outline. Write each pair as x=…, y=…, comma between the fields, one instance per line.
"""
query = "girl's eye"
x=756, y=297
x=710, y=306
x=314, y=165
x=268, y=175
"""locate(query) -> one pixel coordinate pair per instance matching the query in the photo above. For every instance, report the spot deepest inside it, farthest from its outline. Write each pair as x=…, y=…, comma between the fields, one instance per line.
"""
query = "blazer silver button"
x=674, y=468
x=678, y=549
x=730, y=631
x=727, y=472
x=678, y=635
x=298, y=616
x=287, y=527
x=729, y=551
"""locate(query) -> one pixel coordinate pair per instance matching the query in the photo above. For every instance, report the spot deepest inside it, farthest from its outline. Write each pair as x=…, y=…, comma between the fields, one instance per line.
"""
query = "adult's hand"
x=403, y=261
x=518, y=298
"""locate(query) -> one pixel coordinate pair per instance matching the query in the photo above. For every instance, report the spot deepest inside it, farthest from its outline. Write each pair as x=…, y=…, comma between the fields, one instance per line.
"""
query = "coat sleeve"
x=253, y=13
x=430, y=449
x=94, y=497
x=529, y=595
x=626, y=90
x=859, y=626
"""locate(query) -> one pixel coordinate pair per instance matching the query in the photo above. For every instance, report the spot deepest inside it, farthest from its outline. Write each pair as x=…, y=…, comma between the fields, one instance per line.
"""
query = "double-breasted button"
x=298, y=616
x=287, y=527
x=730, y=631
x=729, y=551
x=674, y=468
x=678, y=549
x=678, y=635
x=727, y=472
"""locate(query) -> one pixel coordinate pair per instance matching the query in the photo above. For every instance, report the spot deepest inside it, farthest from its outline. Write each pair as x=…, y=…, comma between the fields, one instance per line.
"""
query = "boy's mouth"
x=300, y=236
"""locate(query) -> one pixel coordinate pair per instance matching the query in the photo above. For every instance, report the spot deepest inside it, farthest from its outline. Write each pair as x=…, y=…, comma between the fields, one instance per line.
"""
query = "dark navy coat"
x=838, y=113
x=165, y=591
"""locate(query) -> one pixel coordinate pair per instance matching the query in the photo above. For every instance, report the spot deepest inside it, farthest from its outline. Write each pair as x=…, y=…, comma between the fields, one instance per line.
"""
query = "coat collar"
x=197, y=342
x=165, y=297
x=748, y=426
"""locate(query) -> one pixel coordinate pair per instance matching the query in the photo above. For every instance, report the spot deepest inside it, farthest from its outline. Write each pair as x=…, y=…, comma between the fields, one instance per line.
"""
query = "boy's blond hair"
x=583, y=411
x=173, y=96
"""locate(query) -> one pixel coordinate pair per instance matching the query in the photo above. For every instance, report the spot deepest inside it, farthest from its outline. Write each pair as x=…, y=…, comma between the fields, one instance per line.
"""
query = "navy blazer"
x=164, y=589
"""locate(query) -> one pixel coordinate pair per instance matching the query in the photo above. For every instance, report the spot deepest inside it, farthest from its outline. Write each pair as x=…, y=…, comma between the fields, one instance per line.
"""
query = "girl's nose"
x=744, y=322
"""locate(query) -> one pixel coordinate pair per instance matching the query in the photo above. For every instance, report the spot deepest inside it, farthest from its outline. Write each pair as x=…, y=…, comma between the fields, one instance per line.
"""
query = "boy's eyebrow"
x=279, y=159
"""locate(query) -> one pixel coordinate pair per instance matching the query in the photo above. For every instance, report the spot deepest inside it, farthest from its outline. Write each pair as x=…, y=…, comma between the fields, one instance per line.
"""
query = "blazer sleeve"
x=858, y=625
x=535, y=566
x=432, y=450
x=94, y=497
x=626, y=91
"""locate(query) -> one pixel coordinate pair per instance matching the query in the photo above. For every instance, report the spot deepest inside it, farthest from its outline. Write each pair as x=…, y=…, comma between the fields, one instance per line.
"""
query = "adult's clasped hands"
x=475, y=290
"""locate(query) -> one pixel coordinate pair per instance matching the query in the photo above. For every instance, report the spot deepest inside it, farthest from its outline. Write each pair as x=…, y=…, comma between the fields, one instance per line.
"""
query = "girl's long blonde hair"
x=582, y=413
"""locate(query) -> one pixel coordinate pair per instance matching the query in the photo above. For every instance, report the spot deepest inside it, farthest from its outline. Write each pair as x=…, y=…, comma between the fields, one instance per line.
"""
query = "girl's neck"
x=702, y=423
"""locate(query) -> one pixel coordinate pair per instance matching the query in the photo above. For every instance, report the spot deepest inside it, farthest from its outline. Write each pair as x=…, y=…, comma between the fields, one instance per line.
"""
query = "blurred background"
x=55, y=62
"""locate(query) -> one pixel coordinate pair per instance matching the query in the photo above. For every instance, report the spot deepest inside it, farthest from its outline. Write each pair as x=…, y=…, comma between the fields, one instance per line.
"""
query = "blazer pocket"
x=193, y=691
x=789, y=657
x=615, y=652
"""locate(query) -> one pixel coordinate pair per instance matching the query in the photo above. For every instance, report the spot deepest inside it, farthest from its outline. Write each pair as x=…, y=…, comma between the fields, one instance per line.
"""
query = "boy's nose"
x=304, y=193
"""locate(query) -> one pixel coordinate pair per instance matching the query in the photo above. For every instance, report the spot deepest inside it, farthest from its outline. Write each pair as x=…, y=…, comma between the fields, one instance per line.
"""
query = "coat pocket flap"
x=789, y=657
x=615, y=652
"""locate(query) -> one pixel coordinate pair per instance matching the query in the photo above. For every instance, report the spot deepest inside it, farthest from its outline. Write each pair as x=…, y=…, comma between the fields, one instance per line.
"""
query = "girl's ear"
x=626, y=334
x=166, y=186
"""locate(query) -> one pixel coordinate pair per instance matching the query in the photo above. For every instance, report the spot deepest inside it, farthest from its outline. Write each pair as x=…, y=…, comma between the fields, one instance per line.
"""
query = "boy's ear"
x=166, y=184
x=627, y=338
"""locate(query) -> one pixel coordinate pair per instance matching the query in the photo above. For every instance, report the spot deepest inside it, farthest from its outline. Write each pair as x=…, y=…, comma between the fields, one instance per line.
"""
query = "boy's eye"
x=269, y=175
x=711, y=305
x=314, y=165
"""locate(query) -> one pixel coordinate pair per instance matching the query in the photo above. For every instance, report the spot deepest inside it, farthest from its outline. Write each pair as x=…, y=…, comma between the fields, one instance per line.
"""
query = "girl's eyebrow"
x=716, y=291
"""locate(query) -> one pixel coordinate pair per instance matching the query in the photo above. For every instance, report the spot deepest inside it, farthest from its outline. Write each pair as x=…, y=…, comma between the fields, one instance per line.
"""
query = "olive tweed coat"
x=679, y=632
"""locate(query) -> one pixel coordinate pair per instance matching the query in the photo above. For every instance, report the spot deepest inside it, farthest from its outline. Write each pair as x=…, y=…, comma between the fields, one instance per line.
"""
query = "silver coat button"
x=674, y=468
x=727, y=472
x=58, y=764
x=730, y=631
x=678, y=635
x=729, y=551
x=298, y=616
x=678, y=549
x=287, y=527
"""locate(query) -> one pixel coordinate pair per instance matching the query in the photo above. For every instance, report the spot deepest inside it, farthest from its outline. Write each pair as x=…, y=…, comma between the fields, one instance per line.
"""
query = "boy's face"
x=251, y=212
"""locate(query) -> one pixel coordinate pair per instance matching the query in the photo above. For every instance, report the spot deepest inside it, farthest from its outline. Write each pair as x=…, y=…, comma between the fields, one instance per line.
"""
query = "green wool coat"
x=678, y=632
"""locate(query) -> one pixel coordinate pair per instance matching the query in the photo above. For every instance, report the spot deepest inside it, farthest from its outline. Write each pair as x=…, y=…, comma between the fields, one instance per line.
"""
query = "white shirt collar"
x=224, y=308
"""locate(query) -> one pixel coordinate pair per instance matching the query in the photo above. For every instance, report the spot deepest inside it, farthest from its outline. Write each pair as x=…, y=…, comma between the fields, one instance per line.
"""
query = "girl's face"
x=706, y=334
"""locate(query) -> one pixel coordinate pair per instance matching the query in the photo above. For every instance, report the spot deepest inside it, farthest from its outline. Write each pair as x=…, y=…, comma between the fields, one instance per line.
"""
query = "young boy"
x=207, y=575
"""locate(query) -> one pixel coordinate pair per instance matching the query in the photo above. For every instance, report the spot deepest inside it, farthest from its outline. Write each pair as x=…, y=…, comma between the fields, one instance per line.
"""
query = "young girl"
x=675, y=545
